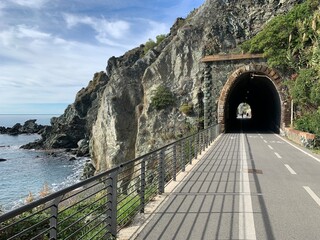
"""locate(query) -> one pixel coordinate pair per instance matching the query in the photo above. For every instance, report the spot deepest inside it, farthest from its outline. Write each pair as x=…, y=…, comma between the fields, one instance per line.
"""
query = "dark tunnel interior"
x=259, y=92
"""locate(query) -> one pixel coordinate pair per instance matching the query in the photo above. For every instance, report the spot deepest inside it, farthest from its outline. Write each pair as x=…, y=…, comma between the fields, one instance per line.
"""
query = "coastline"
x=26, y=172
x=9, y=120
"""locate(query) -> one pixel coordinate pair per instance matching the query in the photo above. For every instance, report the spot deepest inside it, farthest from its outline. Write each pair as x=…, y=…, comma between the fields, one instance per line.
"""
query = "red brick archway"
x=257, y=69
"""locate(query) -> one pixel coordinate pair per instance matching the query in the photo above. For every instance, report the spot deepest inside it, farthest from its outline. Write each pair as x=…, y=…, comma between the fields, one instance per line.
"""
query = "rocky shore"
x=65, y=148
x=29, y=127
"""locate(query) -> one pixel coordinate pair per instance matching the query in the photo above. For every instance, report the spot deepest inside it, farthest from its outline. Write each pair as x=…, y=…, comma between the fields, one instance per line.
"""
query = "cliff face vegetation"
x=150, y=96
x=291, y=43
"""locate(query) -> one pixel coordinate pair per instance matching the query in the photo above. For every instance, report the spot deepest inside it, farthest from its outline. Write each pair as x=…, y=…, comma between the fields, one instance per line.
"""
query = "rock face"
x=115, y=112
x=126, y=129
x=76, y=122
x=28, y=127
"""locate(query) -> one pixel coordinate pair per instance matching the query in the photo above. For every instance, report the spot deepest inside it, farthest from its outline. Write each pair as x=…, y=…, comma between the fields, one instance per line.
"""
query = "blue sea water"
x=8, y=120
x=29, y=170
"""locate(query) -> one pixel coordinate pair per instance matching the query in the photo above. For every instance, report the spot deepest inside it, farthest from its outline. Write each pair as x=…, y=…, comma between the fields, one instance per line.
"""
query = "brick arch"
x=269, y=73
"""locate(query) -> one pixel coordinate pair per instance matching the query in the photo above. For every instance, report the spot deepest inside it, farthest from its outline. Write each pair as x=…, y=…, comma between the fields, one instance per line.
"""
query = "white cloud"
x=155, y=28
x=27, y=32
x=105, y=29
x=48, y=55
x=119, y=33
x=30, y=3
x=46, y=68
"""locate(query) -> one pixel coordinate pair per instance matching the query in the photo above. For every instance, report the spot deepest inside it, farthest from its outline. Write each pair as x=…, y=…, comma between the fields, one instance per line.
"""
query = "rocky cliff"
x=116, y=111
x=75, y=124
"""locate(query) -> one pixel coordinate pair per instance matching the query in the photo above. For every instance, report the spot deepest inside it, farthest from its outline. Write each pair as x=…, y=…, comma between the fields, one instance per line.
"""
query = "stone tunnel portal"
x=252, y=83
x=257, y=90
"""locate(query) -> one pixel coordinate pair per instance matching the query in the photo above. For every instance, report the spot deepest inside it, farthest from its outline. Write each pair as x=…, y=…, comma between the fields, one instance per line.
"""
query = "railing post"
x=203, y=140
x=112, y=203
x=142, y=185
x=161, y=173
x=54, y=218
x=199, y=143
x=190, y=149
x=183, y=167
x=174, y=162
x=195, y=137
x=213, y=134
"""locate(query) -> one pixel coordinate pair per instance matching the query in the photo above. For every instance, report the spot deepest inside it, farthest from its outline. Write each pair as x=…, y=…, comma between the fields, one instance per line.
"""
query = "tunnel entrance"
x=258, y=90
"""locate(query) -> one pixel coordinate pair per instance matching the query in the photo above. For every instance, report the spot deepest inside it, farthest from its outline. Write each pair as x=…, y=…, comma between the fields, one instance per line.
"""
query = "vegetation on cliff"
x=291, y=43
x=151, y=44
x=162, y=98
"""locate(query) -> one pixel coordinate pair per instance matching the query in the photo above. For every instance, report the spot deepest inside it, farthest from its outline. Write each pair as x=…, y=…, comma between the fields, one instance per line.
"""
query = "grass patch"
x=85, y=219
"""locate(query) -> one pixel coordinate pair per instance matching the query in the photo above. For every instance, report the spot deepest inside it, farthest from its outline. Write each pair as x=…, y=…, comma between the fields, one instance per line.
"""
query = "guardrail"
x=97, y=208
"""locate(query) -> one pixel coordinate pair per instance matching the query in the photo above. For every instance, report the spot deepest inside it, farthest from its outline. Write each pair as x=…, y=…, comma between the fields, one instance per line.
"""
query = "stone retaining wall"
x=302, y=138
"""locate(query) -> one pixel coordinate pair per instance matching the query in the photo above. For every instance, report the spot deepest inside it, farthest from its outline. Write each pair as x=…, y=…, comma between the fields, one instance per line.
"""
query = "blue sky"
x=50, y=49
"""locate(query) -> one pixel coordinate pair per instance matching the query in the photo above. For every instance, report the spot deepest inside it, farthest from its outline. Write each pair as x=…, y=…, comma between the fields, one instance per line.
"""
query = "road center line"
x=290, y=169
x=270, y=147
x=278, y=155
x=246, y=220
x=317, y=159
x=265, y=141
x=312, y=194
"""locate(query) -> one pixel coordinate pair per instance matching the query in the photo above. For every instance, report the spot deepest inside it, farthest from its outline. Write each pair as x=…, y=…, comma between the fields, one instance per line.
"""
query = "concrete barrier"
x=302, y=138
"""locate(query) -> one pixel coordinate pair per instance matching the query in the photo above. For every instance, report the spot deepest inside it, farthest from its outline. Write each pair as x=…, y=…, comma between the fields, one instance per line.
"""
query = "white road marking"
x=261, y=137
x=312, y=194
x=278, y=155
x=276, y=142
x=270, y=147
x=246, y=220
x=265, y=141
x=317, y=159
x=290, y=169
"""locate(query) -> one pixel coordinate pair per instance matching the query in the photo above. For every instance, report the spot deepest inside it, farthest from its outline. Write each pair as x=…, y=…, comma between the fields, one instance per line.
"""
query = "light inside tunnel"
x=259, y=92
x=244, y=111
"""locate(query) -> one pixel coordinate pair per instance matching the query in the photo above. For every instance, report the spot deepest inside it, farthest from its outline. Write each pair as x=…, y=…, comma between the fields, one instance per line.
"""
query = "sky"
x=50, y=49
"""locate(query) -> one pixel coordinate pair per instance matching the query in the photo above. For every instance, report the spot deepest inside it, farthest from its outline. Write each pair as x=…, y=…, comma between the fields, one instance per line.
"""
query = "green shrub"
x=187, y=109
x=291, y=43
x=309, y=123
x=151, y=44
x=282, y=40
x=162, y=98
x=305, y=89
x=160, y=38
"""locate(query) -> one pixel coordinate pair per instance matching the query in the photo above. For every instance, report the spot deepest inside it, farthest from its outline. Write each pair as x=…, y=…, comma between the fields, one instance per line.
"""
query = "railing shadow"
x=206, y=204
x=99, y=207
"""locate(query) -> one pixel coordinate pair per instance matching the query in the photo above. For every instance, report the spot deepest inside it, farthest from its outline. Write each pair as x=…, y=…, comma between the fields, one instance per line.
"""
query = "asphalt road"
x=247, y=186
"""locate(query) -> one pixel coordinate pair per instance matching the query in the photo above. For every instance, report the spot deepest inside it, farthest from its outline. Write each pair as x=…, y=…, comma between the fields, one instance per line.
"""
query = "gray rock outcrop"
x=114, y=113
x=76, y=122
x=29, y=127
x=126, y=129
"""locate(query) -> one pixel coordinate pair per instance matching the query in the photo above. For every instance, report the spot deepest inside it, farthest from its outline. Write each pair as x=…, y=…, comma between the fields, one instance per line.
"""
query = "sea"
x=28, y=172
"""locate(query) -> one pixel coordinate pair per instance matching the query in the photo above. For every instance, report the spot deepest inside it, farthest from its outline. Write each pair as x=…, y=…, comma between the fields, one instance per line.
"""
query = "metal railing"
x=97, y=208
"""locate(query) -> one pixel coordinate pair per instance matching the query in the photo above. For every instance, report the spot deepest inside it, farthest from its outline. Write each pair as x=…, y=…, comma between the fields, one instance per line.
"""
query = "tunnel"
x=259, y=92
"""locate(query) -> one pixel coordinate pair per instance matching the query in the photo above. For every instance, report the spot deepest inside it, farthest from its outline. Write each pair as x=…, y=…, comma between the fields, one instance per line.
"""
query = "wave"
x=77, y=171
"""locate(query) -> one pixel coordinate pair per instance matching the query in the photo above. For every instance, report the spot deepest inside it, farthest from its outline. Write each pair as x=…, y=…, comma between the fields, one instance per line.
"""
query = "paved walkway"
x=205, y=205
x=244, y=187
